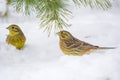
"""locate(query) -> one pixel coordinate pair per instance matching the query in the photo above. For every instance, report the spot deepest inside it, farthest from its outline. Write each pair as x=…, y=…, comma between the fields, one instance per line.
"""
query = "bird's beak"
x=7, y=27
x=57, y=33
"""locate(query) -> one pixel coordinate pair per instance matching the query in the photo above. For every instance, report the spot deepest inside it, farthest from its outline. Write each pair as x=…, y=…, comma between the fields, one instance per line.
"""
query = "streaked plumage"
x=15, y=36
x=73, y=46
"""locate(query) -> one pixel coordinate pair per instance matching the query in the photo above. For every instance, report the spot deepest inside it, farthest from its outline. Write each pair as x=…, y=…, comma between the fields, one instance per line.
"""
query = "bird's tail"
x=106, y=47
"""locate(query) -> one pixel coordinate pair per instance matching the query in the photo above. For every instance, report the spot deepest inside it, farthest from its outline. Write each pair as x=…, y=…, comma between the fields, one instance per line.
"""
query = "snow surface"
x=42, y=59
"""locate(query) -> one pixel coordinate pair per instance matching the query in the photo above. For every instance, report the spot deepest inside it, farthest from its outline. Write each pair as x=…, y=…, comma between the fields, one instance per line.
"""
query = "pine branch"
x=53, y=13
x=25, y=6
x=104, y=4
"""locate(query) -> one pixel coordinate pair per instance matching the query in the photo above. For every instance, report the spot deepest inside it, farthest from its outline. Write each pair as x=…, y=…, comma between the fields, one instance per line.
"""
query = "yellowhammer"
x=73, y=46
x=16, y=36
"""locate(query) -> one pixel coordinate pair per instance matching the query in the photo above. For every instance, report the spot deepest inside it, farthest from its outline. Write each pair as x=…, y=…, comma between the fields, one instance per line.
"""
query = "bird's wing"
x=81, y=45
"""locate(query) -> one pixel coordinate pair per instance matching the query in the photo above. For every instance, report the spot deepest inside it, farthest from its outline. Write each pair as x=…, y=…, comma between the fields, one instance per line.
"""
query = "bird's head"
x=13, y=29
x=64, y=35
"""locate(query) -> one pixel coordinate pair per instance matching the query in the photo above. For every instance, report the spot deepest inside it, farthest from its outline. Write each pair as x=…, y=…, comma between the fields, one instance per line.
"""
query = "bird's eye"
x=12, y=27
x=64, y=35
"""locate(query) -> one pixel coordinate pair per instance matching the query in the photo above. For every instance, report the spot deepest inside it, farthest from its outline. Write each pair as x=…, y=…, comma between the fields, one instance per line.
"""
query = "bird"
x=70, y=45
x=15, y=37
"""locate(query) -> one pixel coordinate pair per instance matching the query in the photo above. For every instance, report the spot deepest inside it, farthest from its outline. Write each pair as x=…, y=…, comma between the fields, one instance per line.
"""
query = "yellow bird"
x=73, y=46
x=15, y=36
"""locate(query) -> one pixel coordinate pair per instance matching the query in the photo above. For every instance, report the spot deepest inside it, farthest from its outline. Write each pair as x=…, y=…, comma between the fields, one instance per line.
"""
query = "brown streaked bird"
x=15, y=36
x=73, y=46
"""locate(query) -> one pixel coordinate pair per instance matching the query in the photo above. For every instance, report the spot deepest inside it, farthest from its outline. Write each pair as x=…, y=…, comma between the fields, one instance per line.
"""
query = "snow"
x=42, y=59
